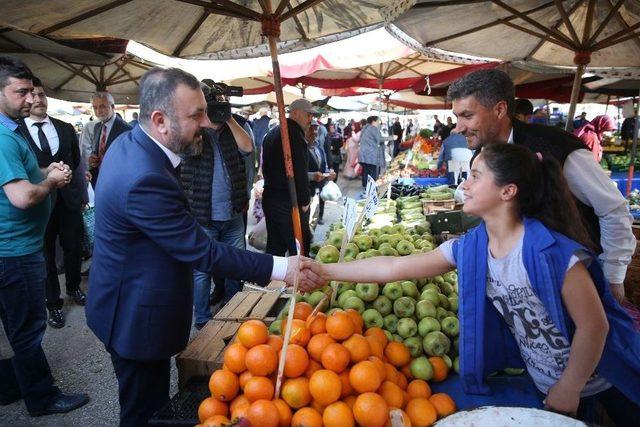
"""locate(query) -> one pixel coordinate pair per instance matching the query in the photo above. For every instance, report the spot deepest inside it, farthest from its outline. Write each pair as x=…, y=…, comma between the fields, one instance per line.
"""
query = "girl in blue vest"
x=529, y=295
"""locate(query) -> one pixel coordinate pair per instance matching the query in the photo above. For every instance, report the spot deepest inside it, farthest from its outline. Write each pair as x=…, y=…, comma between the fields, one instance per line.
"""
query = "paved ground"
x=80, y=363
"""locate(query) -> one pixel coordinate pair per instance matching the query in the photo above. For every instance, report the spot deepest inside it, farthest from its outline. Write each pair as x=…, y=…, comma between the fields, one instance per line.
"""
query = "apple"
x=387, y=229
x=355, y=303
x=389, y=335
x=362, y=255
x=404, y=247
x=391, y=323
x=394, y=239
x=446, y=288
x=392, y=290
x=414, y=344
x=374, y=252
x=384, y=238
x=421, y=368
x=364, y=242
x=424, y=309
x=275, y=328
x=398, y=228
x=398, y=338
x=409, y=289
x=351, y=250
x=367, y=291
x=407, y=327
x=431, y=296
x=450, y=326
x=346, y=294
x=315, y=298
x=348, y=258
x=441, y=313
x=328, y=254
x=436, y=343
x=344, y=286
x=453, y=303
x=333, y=310
x=438, y=280
x=428, y=324
x=422, y=282
x=375, y=232
x=386, y=250
x=372, y=318
x=432, y=286
x=335, y=238
x=383, y=305
x=456, y=365
x=450, y=277
x=447, y=360
x=444, y=301
x=404, y=307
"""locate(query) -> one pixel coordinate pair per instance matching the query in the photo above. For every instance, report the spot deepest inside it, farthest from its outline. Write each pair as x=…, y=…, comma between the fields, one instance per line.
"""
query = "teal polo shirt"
x=21, y=230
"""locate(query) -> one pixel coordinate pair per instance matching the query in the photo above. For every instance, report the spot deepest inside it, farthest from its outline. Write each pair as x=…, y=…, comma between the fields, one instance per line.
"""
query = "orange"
x=370, y=410
x=261, y=360
x=335, y=357
x=347, y=389
x=421, y=412
x=284, y=412
x=224, y=385
x=302, y=310
x=402, y=381
x=234, y=357
x=216, y=421
x=397, y=353
x=338, y=414
x=325, y=387
x=259, y=388
x=340, y=326
x=313, y=366
x=440, y=368
x=357, y=320
x=358, y=347
x=419, y=388
x=275, y=341
x=240, y=411
x=406, y=422
x=375, y=346
x=263, y=413
x=379, y=334
x=392, y=394
x=317, y=344
x=380, y=365
x=350, y=400
x=243, y=378
x=443, y=403
x=252, y=333
x=406, y=370
x=300, y=334
x=365, y=377
x=296, y=392
x=240, y=400
x=317, y=406
x=296, y=361
x=317, y=324
x=210, y=407
x=306, y=417
x=391, y=373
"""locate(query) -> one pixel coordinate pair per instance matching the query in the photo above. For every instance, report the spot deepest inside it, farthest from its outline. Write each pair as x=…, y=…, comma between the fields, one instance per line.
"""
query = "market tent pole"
x=634, y=147
x=581, y=59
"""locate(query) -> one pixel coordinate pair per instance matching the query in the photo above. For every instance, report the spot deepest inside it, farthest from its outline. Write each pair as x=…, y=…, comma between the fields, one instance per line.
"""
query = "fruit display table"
x=621, y=179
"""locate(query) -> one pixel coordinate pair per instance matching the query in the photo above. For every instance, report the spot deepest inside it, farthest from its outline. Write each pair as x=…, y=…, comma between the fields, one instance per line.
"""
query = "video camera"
x=217, y=110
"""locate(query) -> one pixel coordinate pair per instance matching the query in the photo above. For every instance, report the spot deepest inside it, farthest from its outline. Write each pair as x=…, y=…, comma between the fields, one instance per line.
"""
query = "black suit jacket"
x=68, y=152
x=119, y=127
x=315, y=167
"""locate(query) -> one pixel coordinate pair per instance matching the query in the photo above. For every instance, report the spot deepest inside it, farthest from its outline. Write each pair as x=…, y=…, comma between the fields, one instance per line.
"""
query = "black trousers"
x=369, y=169
x=336, y=169
x=280, y=238
x=65, y=224
x=143, y=388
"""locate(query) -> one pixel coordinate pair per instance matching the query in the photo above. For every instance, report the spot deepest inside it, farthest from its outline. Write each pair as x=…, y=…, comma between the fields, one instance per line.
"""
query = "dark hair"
x=157, y=87
x=36, y=82
x=488, y=86
x=11, y=67
x=523, y=106
x=372, y=119
x=543, y=192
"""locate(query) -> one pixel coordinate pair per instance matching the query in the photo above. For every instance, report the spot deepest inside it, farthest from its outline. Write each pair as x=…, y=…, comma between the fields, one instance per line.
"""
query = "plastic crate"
x=182, y=409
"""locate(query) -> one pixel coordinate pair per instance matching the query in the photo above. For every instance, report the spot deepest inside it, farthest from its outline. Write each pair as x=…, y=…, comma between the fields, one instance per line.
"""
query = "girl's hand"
x=562, y=399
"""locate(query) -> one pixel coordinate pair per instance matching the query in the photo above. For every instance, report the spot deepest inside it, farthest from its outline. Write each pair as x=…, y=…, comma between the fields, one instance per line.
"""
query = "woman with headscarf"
x=591, y=134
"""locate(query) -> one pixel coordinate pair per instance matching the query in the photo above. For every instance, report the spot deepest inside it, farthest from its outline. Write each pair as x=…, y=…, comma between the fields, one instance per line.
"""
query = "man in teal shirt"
x=24, y=212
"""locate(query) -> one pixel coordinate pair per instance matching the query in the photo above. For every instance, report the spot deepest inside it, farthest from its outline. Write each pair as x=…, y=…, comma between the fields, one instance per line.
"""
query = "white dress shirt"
x=589, y=184
x=280, y=264
x=49, y=131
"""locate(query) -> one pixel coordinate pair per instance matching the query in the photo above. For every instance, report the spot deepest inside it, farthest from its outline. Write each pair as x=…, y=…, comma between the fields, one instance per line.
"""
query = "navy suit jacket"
x=146, y=245
x=118, y=128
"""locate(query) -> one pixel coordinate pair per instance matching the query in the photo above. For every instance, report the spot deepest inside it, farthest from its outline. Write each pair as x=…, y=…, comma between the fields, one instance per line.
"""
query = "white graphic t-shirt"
x=543, y=348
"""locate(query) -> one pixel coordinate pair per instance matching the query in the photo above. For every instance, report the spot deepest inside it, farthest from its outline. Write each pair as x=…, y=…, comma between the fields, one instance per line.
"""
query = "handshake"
x=59, y=174
x=311, y=275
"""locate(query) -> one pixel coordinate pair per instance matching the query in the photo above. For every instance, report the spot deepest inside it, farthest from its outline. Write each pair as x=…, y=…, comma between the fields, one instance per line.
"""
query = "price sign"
x=349, y=216
x=372, y=199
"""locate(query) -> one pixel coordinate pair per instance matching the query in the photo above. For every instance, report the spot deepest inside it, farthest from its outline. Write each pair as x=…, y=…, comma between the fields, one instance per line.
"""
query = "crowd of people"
x=543, y=273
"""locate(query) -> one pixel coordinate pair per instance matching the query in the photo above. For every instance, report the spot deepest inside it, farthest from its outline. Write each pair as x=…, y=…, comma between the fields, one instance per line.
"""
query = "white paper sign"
x=371, y=195
x=349, y=216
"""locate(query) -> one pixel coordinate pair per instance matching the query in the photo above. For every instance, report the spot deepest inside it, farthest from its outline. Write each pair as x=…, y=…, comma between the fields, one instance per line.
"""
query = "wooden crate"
x=434, y=206
x=203, y=354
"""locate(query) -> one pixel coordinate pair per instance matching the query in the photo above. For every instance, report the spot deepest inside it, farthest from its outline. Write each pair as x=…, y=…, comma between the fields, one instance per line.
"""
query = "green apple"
x=446, y=288
x=424, y=309
x=453, y=303
x=391, y=323
x=450, y=277
x=428, y=324
x=328, y=254
x=354, y=303
x=387, y=250
x=372, y=318
x=438, y=280
x=344, y=286
x=383, y=305
x=315, y=298
x=404, y=307
x=389, y=335
x=364, y=242
x=421, y=368
x=422, y=282
x=374, y=252
x=414, y=344
x=384, y=238
x=434, y=288
x=367, y=291
x=450, y=326
x=409, y=289
x=275, y=328
x=431, y=296
x=456, y=365
x=392, y=290
x=375, y=232
x=375, y=242
x=351, y=250
x=407, y=327
x=394, y=239
x=346, y=294
x=404, y=247
x=398, y=228
x=447, y=360
x=398, y=338
x=349, y=258
x=441, y=313
x=362, y=255
x=436, y=343
x=333, y=310
x=387, y=229
x=444, y=301
x=335, y=238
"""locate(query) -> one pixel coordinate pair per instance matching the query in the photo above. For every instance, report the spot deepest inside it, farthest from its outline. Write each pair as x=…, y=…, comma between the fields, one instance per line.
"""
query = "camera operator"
x=215, y=182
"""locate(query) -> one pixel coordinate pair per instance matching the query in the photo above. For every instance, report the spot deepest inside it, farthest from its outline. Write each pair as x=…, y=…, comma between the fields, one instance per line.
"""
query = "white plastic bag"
x=330, y=192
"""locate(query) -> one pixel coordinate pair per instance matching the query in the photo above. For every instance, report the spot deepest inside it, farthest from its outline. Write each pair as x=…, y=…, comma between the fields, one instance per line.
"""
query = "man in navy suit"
x=109, y=127
x=147, y=244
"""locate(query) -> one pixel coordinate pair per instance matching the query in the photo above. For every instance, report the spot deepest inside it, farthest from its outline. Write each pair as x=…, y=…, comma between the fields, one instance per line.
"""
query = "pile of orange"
x=335, y=374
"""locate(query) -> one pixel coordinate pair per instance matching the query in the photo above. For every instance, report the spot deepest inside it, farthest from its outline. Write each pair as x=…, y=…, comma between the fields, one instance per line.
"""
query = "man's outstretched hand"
x=310, y=274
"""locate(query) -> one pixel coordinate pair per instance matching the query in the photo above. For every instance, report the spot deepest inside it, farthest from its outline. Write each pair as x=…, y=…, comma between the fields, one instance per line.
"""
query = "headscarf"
x=598, y=125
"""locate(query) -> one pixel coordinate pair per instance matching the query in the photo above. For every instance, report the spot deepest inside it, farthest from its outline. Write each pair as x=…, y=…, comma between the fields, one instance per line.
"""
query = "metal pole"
x=634, y=147
x=575, y=93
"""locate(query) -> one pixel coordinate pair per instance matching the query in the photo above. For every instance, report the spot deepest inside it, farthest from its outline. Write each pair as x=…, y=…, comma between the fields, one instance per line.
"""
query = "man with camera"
x=215, y=182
